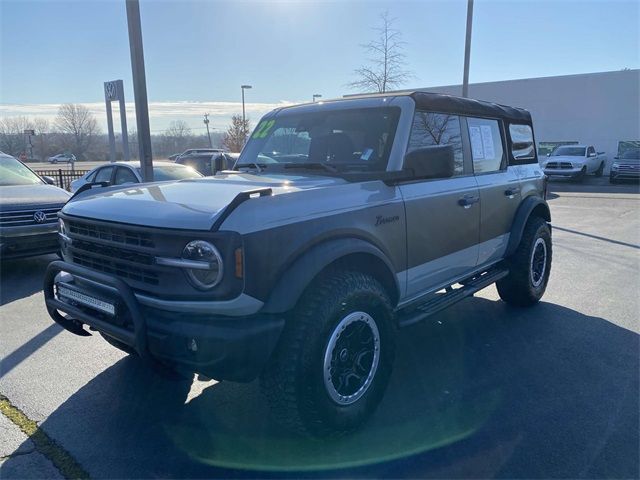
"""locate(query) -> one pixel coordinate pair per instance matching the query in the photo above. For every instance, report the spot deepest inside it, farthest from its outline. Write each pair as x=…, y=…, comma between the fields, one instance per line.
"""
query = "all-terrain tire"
x=297, y=382
x=600, y=170
x=529, y=267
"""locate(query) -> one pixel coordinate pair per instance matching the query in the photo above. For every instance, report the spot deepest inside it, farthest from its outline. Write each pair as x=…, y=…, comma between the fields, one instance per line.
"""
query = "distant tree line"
x=75, y=130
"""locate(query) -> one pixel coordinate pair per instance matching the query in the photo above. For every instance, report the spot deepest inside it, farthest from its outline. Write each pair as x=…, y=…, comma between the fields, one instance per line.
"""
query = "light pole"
x=206, y=122
x=316, y=95
x=467, y=50
x=244, y=120
x=140, y=89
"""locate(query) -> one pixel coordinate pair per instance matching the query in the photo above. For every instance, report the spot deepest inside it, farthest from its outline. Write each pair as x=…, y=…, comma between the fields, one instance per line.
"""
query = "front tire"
x=335, y=356
x=529, y=267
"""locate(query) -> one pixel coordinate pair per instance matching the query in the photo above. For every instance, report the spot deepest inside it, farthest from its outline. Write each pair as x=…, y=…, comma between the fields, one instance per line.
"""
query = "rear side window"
x=522, y=146
x=486, y=144
x=434, y=129
x=125, y=175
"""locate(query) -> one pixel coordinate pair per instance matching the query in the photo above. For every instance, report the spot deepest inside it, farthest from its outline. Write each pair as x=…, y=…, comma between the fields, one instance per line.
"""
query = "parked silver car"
x=121, y=173
x=29, y=209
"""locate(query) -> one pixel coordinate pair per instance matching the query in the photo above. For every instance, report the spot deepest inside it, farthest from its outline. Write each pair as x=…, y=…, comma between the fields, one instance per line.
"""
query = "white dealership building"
x=599, y=109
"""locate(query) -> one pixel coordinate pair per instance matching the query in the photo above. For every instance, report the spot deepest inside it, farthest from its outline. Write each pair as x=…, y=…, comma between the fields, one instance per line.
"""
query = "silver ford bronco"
x=341, y=222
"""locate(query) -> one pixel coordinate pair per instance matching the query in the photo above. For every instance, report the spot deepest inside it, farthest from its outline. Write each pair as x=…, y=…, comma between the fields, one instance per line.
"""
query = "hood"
x=25, y=196
x=186, y=204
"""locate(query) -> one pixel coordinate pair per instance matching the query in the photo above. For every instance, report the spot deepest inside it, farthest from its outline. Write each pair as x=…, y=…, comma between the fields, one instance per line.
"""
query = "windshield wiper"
x=312, y=165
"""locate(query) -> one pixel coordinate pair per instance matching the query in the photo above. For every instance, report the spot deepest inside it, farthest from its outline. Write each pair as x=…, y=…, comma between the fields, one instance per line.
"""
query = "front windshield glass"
x=12, y=172
x=172, y=172
x=569, y=151
x=339, y=139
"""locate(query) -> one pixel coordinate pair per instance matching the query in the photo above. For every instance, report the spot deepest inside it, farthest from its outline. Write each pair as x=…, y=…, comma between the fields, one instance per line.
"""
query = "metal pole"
x=467, y=50
x=243, y=117
x=206, y=122
x=140, y=89
x=112, y=138
x=123, y=122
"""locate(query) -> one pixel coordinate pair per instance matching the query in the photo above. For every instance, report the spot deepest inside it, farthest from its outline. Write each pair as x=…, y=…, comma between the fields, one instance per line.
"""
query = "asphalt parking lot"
x=480, y=390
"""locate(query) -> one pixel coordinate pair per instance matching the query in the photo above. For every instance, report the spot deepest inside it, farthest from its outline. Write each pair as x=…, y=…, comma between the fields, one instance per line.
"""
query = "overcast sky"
x=198, y=53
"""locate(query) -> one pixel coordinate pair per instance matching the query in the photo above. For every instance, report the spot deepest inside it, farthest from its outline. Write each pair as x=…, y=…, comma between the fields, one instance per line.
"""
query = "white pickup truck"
x=574, y=161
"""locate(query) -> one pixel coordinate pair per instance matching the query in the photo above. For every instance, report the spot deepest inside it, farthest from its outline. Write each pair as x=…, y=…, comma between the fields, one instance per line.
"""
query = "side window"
x=591, y=151
x=522, y=147
x=486, y=144
x=104, y=174
x=91, y=177
x=125, y=175
x=432, y=129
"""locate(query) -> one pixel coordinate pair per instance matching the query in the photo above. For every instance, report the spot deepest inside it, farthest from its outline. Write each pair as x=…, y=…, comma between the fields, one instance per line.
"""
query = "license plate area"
x=74, y=296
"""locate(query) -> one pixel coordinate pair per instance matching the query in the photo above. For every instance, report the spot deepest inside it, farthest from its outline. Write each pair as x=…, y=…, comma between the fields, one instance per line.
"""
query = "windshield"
x=12, y=172
x=342, y=139
x=172, y=172
x=631, y=154
x=569, y=151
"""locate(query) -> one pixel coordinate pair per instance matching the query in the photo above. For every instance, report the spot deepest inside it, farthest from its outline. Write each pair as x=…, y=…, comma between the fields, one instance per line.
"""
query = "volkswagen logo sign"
x=110, y=90
x=39, y=217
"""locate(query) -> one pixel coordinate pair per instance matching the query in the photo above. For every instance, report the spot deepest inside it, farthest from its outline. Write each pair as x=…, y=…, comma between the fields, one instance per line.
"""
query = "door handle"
x=510, y=192
x=468, y=200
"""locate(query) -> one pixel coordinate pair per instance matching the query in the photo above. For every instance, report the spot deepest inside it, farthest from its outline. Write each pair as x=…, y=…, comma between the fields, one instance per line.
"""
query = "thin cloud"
x=160, y=113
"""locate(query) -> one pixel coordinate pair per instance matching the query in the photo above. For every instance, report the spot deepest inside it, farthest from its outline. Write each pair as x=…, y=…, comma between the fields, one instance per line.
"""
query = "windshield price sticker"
x=263, y=129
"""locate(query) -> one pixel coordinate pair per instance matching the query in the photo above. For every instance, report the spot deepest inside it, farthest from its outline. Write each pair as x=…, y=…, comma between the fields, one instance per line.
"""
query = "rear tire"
x=529, y=267
x=600, y=170
x=334, y=358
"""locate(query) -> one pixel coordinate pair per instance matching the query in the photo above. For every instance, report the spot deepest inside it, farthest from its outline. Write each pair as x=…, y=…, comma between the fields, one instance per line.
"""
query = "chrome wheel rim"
x=351, y=358
x=538, y=264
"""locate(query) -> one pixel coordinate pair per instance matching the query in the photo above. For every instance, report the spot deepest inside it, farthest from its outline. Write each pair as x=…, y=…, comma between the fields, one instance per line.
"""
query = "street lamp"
x=244, y=121
x=316, y=95
x=467, y=50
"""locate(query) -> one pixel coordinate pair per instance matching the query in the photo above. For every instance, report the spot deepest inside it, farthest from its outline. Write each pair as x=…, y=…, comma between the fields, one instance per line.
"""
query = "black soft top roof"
x=440, y=102
x=468, y=106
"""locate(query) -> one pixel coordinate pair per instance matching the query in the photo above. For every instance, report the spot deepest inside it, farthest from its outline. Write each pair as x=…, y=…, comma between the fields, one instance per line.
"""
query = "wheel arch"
x=532, y=206
x=347, y=253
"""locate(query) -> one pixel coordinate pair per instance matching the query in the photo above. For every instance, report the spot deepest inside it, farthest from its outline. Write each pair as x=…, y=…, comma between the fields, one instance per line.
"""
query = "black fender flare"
x=525, y=210
x=308, y=265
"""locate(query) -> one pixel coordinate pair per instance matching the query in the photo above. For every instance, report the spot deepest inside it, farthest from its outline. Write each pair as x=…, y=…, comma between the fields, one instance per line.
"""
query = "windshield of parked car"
x=631, y=154
x=569, y=152
x=12, y=172
x=339, y=140
x=172, y=172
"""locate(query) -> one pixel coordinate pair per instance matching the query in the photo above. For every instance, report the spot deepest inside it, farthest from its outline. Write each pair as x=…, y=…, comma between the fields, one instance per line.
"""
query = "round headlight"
x=206, y=272
x=615, y=166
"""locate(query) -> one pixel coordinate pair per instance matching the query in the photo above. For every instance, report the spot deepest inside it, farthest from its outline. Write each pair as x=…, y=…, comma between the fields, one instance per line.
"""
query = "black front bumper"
x=220, y=347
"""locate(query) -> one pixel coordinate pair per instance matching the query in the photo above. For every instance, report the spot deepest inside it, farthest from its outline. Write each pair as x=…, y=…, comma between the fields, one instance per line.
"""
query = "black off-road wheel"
x=600, y=170
x=529, y=267
x=334, y=358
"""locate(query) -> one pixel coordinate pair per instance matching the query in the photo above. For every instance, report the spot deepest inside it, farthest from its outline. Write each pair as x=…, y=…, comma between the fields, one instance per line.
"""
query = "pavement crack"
x=61, y=458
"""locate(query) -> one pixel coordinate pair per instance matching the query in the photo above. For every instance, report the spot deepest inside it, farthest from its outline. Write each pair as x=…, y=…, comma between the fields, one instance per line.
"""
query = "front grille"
x=111, y=234
x=559, y=165
x=20, y=218
x=629, y=168
x=102, y=248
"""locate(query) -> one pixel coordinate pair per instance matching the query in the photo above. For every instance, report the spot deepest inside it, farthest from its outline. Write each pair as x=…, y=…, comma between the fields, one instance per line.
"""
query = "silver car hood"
x=565, y=158
x=185, y=204
x=16, y=197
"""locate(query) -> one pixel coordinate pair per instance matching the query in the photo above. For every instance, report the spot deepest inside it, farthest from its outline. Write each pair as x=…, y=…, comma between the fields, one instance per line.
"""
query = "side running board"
x=440, y=301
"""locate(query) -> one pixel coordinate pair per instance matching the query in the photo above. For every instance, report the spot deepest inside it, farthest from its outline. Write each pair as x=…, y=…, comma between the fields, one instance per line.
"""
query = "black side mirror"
x=431, y=162
x=616, y=158
x=48, y=180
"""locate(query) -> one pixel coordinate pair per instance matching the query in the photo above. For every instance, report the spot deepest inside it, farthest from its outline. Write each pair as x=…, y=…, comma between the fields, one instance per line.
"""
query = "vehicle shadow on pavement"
x=22, y=277
x=481, y=390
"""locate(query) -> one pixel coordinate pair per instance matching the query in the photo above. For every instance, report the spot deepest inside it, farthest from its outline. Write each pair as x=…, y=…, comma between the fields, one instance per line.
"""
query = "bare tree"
x=79, y=125
x=12, y=138
x=386, y=69
x=178, y=129
x=236, y=135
